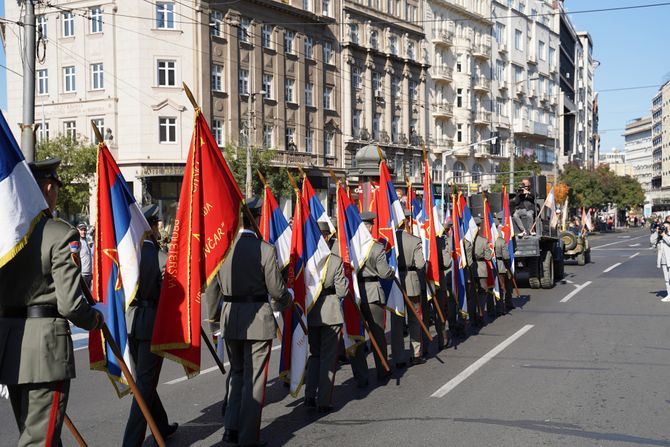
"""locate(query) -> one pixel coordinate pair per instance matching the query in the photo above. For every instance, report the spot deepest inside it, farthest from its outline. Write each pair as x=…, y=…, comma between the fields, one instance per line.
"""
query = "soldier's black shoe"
x=310, y=402
x=417, y=361
x=230, y=436
x=171, y=429
x=324, y=408
x=401, y=365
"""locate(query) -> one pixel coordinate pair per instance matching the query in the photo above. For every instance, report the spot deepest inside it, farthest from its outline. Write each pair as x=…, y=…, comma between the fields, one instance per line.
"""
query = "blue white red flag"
x=415, y=209
x=508, y=227
x=315, y=208
x=390, y=217
x=22, y=203
x=307, y=268
x=275, y=229
x=120, y=231
x=354, y=243
x=490, y=233
x=458, y=260
x=469, y=226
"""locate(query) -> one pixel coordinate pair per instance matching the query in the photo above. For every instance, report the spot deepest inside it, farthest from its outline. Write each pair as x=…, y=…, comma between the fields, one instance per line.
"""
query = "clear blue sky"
x=631, y=45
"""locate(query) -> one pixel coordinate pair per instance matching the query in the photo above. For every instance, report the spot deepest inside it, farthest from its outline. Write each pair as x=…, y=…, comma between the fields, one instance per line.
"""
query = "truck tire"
x=581, y=259
x=547, y=265
x=569, y=240
x=534, y=275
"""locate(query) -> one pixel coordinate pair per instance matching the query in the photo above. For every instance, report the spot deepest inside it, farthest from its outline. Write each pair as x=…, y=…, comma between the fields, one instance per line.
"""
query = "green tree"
x=523, y=166
x=276, y=177
x=629, y=193
x=596, y=188
x=77, y=170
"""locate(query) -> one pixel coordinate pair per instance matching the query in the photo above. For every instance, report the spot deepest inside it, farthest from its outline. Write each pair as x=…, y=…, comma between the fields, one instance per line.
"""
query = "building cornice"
x=381, y=19
x=463, y=11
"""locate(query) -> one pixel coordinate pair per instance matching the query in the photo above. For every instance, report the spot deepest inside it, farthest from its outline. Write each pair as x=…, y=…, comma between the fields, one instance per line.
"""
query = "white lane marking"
x=633, y=255
x=617, y=242
x=470, y=370
x=207, y=371
x=623, y=237
x=575, y=292
x=77, y=337
x=611, y=267
x=634, y=245
x=569, y=282
x=79, y=349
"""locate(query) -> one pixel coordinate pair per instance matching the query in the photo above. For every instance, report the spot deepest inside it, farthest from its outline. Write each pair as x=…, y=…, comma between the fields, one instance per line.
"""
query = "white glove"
x=292, y=294
x=4, y=392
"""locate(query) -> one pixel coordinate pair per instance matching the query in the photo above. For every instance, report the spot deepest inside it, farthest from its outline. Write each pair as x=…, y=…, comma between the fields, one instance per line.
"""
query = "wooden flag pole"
x=212, y=351
x=75, y=433
x=125, y=370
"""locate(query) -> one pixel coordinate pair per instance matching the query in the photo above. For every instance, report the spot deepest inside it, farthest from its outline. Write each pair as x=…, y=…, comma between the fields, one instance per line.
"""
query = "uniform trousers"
x=39, y=409
x=249, y=361
x=398, y=351
x=323, y=347
x=415, y=332
x=147, y=372
x=374, y=315
x=431, y=312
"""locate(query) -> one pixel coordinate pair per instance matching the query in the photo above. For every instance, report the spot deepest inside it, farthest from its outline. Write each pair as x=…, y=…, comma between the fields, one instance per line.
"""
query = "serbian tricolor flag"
x=430, y=232
x=120, y=231
x=508, y=227
x=469, y=226
x=205, y=226
x=390, y=217
x=490, y=233
x=458, y=260
x=306, y=270
x=415, y=209
x=354, y=243
x=22, y=203
x=315, y=208
x=275, y=229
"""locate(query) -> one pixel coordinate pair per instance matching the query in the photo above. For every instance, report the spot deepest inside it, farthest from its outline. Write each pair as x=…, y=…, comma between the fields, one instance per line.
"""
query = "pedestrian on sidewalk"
x=661, y=240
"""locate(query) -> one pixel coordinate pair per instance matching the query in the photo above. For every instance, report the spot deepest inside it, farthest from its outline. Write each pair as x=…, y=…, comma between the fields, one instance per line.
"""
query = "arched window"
x=459, y=169
x=477, y=172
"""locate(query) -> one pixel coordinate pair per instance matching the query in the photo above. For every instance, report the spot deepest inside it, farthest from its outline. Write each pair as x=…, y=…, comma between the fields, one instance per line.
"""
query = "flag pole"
x=212, y=351
x=408, y=302
x=75, y=433
x=124, y=369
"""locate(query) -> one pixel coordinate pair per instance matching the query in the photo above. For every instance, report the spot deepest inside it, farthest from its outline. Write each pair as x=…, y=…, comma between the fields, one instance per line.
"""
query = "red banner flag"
x=205, y=226
x=432, y=264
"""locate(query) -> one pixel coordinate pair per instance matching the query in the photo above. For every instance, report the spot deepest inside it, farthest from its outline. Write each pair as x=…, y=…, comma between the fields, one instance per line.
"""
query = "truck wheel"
x=547, y=278
x=569, y=239
x=581, y=259
x=534, y=275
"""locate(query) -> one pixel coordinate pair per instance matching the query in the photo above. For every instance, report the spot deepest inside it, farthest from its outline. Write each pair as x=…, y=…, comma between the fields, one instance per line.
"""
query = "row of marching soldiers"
x=240, y=312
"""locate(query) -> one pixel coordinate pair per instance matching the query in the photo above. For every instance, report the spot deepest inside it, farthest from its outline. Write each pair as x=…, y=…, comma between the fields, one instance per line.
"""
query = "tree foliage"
x=596, y=188
x=276, y=177
x=77, y=170
x=524, y=166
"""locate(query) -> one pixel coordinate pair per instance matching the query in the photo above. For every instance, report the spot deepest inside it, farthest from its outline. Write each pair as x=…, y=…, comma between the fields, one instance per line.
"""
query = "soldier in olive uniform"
x=372, y=305
x=411, y=266
x=140, y=318
x=40, y=290
x=482, y=254
x=325, y=321
x=449, y=305
x=504, y=274
x=245, y=279
x=472, y=285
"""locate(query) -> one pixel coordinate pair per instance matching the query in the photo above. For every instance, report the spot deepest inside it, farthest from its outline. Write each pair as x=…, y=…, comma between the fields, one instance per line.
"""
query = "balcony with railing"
x=442, y=144
x=519, y=89
x=482, y=50
x=482, y=84
x=443, y=110
x=445, y=38
x=482, y=118
x=502, y=122
x=443, y=73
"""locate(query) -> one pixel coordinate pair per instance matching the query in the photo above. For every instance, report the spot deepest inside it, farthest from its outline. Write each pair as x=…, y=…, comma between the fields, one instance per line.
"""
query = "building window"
x=69, y=79
x=70, y=129
x=43, y=131
x=328, y=52
x=97, y=77
x=100, y=125
x=395, y=128
x=268, y=136
x=243, y=30
x=266, y=36
x=325, y=8
x=353, y=33
x=356, y=123
x=96, y=19
x=500, y=32
x=217, y=131
x=164, y=15
x=307, y=5
x=68, y=24
x=215, y=23
x=410, y=51
x=327, y=98
x=290, y=137
x=374, y=39
x=376, y=125
x=309, y=141
x=167, y=73
x=167, y=130
x=328, y=143
x=459, y=97
x=268, y=92
x=459, y=63
x=308, y=48
x=459, y=170
x=477, y=171
x=243, y=82
x=393, y=45
x=518, y=40
x=395, y=87
x=501, y=107
x=518, y=74
x=309, y=90
x=376, y=83
x=413, y=92
x=500, y=70
x=552, y=57
x=459, y=133
x=356, y=78
x=517, y=111
x=288, y=42
x=289, y=88
x=41, y=23
x=541, y=50
x=43, y=82
x=217, y=77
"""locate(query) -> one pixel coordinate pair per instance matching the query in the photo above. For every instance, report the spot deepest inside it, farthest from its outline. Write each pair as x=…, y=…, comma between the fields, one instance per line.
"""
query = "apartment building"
x=385, y=70
x=120, y=65
x=459, y=47
x=638, y=151
x=525, y=79
x=660, y=142
x=587, y=138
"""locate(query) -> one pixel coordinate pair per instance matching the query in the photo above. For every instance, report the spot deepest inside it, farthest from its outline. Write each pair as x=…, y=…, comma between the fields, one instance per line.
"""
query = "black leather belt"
x=144, y=303
x=36, y=311
x=368, y=279
x=245, y=298
x=328, y=291
x=408, y=269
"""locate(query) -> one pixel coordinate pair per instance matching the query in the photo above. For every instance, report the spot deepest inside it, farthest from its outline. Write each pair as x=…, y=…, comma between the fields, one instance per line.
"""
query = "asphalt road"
x=584, y=364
